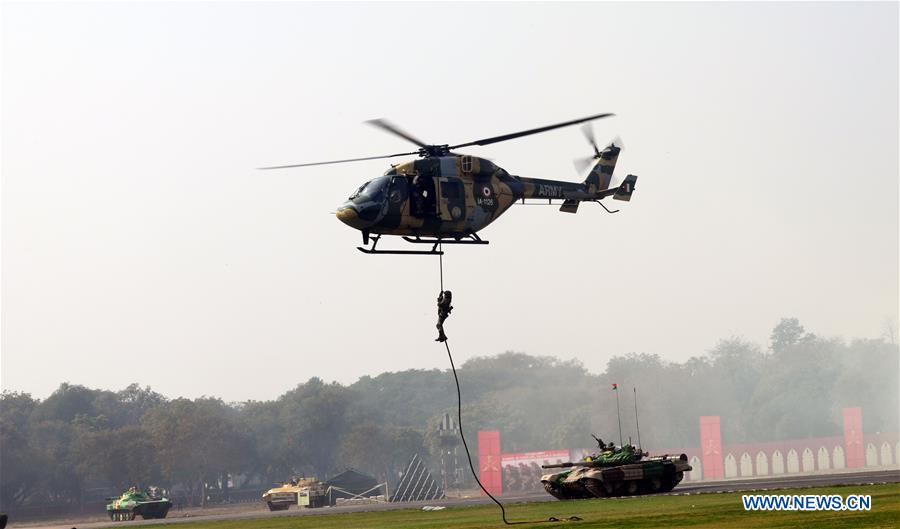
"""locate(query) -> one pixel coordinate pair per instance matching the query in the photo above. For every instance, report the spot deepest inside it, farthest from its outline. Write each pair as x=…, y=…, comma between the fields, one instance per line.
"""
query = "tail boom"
x=571, y=193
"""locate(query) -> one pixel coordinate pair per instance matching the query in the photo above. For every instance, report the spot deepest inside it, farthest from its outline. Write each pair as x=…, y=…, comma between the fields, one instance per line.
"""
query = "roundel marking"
x=486, y=191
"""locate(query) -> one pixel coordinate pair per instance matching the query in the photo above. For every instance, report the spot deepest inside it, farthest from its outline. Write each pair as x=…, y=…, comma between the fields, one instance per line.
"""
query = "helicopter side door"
x=451, y=199
x=422, y=196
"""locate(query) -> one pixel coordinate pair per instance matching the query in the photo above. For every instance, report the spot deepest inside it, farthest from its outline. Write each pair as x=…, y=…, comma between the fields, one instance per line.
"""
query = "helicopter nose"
x=346, y=214
x=349, y=216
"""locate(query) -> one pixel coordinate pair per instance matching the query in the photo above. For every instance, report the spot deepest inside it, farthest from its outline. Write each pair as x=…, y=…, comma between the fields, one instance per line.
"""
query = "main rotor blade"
x=496, y=139
x=394, y=129
x=340, y=161
x=588, y=132
x=581, y=164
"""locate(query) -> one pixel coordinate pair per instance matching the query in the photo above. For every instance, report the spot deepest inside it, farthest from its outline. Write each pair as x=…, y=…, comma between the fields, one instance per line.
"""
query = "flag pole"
x=636, y=423
x=618, y=415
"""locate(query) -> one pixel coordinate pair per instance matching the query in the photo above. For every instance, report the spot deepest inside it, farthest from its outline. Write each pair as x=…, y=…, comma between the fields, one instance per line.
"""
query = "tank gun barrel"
x=570, y=464
x=665, y=457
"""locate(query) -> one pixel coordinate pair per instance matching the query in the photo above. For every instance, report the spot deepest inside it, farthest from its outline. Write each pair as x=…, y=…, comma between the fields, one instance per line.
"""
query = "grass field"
x=723, y=510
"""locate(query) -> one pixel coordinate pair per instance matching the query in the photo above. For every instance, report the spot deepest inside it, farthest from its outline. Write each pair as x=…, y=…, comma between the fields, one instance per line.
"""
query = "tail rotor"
x=601, y=163
x=583, y=163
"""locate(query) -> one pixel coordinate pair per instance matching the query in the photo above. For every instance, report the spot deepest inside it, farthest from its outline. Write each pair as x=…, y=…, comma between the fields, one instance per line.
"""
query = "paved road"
x=732, y=485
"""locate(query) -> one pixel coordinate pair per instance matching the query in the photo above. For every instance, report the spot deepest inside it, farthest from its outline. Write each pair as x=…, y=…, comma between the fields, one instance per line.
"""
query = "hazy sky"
x=139, y=244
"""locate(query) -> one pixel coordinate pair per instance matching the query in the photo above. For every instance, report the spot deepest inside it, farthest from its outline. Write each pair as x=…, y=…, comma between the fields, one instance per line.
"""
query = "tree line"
x=77, y=441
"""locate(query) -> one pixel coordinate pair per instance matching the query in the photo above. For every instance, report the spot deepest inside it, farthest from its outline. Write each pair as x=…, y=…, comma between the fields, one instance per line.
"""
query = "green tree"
x=274, y=453
x=794, y=396
x=67, y=402
x=314, y=415
x=123, y=457
x=787, y=333
x=198, y=442
x=18, y=460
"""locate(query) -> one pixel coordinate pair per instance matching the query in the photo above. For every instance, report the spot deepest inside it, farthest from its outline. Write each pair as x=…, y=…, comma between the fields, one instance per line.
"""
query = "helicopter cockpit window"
x=358, y=191
x=375, y=189
x=466, y=164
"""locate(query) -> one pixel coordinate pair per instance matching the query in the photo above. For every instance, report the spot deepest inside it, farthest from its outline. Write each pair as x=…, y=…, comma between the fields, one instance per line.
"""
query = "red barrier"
x=489, y=461
x=853, y=438
x=711, y=447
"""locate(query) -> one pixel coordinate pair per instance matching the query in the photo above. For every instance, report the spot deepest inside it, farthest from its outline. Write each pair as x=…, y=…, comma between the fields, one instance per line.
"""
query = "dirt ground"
x=186, y=512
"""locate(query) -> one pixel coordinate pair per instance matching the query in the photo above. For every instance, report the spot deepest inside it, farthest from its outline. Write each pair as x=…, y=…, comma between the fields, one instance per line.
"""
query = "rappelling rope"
x=459, y=424
x=465, y=445
x=441, y=261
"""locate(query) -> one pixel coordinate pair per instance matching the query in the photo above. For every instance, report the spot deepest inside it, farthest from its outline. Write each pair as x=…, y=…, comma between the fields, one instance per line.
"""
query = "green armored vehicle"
x=135, y=502
x=616, y=471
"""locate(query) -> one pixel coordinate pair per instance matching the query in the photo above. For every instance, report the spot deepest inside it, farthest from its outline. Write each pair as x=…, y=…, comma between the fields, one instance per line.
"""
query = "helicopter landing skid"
x=470, y=239
x=434, y=242
x=372, y=250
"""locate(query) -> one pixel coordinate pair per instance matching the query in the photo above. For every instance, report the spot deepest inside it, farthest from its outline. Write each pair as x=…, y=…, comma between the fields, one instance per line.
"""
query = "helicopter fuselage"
x=444, y=197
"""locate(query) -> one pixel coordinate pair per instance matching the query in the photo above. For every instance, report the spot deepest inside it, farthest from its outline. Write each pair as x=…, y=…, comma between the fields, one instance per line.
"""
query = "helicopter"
x=446, y=197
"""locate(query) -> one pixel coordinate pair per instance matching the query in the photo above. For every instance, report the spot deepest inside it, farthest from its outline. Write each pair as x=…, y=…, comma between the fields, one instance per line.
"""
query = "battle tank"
x=622, y=471
x=135, y=502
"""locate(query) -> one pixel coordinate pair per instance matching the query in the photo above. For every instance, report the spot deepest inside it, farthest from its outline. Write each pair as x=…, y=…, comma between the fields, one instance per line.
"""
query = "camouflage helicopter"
x=446, y=197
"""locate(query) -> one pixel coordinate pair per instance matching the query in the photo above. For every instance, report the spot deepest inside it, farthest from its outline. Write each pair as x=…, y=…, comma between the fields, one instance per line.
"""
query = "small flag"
x=615, y=387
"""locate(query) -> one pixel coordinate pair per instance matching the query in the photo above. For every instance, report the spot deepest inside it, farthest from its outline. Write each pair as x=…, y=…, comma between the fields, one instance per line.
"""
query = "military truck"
x=303, y=492
x=133, y=502
x=616, y=471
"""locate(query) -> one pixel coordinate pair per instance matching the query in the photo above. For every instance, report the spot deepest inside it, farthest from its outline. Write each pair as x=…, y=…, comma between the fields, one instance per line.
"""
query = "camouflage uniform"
x=418, y=197
x=444, y=308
